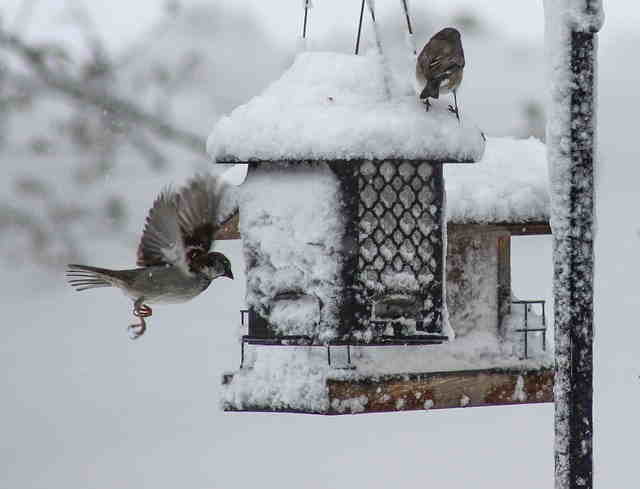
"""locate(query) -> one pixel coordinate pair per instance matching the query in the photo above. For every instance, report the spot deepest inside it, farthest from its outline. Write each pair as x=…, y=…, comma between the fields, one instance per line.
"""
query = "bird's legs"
x=141, y=311
x=454, y=109
x=427, y=105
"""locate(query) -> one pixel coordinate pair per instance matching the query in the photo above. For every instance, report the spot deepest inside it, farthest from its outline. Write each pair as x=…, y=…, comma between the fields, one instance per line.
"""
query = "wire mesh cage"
x=400, y=242
x=391, y=257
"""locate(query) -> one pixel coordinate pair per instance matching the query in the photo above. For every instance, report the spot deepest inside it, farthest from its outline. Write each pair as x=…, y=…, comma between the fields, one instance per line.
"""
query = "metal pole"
x=575, y=283
x=544, y=326
x=573, y=235
x=526, y=332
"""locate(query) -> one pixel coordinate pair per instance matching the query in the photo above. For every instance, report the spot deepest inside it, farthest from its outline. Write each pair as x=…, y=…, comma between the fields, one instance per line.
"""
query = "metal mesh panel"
x=392, y=256
x=400, y=239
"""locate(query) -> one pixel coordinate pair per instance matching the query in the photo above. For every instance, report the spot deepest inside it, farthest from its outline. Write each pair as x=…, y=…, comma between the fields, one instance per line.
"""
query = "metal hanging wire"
x=407, y=15
x=376, y=33
x=376, y=30
x=307, y=6
x=360, y=27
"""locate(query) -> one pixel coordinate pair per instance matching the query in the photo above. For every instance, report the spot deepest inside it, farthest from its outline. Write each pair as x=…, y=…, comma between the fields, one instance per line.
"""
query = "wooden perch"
x=515, y=228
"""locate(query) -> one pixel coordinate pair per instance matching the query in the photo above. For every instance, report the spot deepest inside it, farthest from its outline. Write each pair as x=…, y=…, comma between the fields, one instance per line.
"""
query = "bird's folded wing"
x=198, y=205
x=434, y=62
x=446, y=72
x=439, y=56
x=162, y=242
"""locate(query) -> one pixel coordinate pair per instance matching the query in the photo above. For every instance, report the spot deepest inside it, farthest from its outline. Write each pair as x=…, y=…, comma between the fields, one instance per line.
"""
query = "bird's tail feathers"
x=431, y=89
x=83, y=277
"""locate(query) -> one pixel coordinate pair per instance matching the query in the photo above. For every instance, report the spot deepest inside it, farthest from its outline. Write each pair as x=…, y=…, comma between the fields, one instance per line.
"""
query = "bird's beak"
x=228, y=274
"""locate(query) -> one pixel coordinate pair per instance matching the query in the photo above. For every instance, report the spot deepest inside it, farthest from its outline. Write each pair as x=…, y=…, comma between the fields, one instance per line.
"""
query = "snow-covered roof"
x=509, y=185
x=332, y=106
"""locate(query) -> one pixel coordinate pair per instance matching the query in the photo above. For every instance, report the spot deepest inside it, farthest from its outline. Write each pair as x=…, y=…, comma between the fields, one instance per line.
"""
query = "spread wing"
x=198, y=205
x=180, y=225
x=162, y=242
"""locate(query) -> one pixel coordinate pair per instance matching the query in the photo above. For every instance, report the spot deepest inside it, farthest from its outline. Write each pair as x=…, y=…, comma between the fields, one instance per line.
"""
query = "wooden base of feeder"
x=432, y=390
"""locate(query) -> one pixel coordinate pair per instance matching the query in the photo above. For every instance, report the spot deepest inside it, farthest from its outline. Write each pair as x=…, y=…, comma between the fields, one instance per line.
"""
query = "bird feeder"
x=342, y=209
x=343, y=221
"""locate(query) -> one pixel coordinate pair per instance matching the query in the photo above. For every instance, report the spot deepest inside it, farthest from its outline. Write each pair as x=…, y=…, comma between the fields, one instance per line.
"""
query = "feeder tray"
x=417, y=392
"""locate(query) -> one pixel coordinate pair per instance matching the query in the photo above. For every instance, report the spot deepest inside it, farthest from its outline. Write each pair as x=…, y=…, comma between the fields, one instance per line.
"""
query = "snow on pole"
x=571, y=46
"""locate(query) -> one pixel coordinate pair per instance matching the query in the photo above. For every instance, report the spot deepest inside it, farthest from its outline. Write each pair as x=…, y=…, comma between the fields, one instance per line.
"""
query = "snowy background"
x=84, y=407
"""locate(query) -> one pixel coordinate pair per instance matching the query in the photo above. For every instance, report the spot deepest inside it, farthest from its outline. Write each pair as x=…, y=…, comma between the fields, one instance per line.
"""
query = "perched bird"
x=174, y=258
x=440, y=65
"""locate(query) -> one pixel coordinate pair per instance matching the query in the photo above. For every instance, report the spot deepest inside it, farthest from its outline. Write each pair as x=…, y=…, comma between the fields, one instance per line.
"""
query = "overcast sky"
x=122, y=20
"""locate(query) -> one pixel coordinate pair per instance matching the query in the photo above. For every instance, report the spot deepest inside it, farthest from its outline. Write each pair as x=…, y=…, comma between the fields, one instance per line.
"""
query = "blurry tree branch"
x=46, y=247
x=37, y=57
x=155, y=158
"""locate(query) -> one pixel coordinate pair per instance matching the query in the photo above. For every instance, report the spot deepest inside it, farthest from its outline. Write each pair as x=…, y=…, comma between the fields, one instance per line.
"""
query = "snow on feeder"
x=342, y=216
x=341, y=213
x=344, y=228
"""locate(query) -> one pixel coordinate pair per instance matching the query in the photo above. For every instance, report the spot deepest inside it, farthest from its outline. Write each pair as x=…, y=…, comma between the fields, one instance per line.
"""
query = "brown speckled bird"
x=174, y=258
x=440, y=66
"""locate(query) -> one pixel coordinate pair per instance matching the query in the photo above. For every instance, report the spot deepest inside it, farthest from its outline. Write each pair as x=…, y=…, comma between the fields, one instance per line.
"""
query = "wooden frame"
x=429, y=390
x=230, y=230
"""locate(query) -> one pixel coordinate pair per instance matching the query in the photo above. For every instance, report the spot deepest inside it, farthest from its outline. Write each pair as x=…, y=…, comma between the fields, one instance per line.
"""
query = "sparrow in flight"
x=174, y=258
